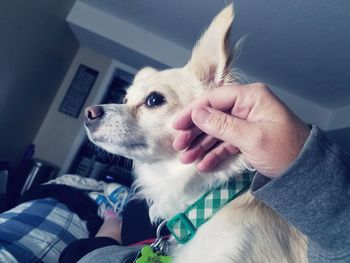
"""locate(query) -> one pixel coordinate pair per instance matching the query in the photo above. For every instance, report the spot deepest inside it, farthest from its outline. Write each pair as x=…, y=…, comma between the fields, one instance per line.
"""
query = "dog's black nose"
x=93, y=113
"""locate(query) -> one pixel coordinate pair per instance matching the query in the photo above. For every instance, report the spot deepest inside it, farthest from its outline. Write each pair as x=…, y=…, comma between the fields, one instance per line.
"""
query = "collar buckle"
x=182, y=228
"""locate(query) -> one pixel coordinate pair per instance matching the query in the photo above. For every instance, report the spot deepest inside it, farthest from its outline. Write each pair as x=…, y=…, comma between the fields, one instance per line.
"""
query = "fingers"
x=184, y=121
x=186, y=137
x=216, y=155
x=225, y=134
x=198, y=148
x=221, y=99
x=222, y=126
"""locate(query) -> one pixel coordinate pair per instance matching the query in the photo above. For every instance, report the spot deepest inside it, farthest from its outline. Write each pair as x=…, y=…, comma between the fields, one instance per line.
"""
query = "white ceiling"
x=301, y=46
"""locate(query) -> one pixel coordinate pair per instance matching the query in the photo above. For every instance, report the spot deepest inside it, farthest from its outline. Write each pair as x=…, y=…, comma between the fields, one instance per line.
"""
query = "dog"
x=243, y=230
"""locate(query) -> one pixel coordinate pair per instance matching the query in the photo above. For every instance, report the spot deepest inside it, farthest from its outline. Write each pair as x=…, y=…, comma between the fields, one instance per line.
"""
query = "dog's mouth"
x=91, y=127
x=118, y=133
x=131, y=144
x=115, y=143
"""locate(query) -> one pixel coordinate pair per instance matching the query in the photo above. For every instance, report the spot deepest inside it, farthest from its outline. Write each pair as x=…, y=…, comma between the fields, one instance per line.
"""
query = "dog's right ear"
x=211, y=57
x=144, y=73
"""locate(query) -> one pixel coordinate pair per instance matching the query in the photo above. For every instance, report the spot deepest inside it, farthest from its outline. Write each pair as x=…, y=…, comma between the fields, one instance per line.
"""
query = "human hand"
x=240, y=118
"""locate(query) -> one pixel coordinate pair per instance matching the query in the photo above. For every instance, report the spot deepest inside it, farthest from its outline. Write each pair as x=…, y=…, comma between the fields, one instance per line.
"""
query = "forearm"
x=313, y=195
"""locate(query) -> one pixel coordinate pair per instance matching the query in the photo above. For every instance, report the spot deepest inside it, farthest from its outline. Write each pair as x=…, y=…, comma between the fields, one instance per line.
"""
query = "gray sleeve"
x=314, y=196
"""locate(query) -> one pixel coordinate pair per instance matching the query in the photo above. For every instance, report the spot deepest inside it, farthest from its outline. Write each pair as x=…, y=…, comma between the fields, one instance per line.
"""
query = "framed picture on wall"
x=78, y=91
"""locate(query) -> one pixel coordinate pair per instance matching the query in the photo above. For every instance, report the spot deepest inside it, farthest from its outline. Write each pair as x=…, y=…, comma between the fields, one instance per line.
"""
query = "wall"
x=58, y=131
x=305, y=109
x=143, y=47
x=341, y=137
x=93, y=24
x=36, y=49
x=340, y=118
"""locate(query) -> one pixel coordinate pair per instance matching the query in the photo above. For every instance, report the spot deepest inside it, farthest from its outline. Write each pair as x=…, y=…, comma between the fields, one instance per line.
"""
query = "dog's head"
x=140, y=128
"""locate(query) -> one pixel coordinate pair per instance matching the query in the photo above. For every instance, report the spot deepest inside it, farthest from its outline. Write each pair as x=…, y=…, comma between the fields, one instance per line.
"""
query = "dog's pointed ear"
x=211, y=57
x=144, y=73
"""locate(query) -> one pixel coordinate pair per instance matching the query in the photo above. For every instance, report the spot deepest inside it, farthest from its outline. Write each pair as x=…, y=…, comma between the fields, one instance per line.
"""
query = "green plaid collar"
x=184, y=225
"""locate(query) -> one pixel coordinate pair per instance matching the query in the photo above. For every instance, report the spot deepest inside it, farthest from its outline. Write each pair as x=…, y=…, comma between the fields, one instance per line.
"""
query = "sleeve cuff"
x=299, y=165
x=313, y=194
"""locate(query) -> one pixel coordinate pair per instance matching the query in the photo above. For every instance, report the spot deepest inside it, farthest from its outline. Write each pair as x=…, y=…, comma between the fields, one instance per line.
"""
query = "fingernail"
x=200, y=115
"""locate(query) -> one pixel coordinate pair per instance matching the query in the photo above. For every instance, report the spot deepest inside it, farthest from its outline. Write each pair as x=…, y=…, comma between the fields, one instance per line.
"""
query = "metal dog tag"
x=156, y=252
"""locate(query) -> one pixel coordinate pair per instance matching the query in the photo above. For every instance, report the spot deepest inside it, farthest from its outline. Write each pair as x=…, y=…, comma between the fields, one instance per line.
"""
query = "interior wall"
x=341, y=137
x=340, y=119
x=58, y=131
x=36, y=49
x=140, y=45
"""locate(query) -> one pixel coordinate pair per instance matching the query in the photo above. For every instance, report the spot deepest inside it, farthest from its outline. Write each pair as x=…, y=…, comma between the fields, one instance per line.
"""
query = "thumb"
x=221, y=125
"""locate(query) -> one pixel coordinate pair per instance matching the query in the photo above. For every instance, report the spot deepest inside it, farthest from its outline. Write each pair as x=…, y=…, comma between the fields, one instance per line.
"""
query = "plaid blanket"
x=38, y=231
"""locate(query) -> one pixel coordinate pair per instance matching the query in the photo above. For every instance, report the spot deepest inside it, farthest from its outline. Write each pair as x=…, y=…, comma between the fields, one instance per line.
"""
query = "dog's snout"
x=93, y=113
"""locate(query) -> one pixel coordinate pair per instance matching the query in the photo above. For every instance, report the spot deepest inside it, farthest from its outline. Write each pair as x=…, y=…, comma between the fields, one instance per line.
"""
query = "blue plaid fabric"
x=38, y=231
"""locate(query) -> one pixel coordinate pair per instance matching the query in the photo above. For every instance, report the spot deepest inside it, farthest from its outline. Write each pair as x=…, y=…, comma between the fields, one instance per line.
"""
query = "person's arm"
x=314, y=195
x=311, y=184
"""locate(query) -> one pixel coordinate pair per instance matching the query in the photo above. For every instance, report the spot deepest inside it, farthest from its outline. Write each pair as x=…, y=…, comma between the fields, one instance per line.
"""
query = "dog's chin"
x=137, y=148
x=138, y=151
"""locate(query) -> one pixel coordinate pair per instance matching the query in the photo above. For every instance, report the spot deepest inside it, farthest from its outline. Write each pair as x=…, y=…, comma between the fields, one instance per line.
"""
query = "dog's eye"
x=155, y=99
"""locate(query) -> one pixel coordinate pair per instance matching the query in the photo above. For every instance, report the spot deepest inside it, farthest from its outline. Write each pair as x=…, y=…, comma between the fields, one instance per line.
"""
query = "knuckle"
x=224, y=125
x=260, y=87
x=219, y=123
x=261, y=93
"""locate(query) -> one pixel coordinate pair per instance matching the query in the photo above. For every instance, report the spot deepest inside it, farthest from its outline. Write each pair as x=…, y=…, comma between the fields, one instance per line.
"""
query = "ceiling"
x=302, y=47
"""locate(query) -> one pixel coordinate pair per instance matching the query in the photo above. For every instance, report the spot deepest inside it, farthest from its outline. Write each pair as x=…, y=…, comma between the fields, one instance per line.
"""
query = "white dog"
x=243, y=230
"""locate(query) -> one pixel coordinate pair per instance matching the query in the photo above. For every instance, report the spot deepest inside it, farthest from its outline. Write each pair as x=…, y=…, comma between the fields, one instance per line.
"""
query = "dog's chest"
x=242, y=231
x=215, y=241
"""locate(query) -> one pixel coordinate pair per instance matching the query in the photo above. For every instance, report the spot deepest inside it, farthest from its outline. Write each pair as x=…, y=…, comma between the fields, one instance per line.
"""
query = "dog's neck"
x=170, y=186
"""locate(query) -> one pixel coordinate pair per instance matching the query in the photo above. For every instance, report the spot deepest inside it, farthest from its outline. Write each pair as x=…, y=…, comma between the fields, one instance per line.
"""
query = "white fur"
x=245, y=230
